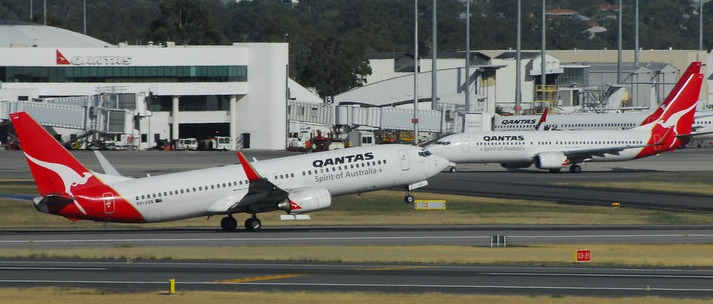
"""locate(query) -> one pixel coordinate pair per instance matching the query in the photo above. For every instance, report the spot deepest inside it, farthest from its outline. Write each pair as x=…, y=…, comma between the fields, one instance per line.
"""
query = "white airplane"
x=556, y=150
x=295, y=184
x=703, y=121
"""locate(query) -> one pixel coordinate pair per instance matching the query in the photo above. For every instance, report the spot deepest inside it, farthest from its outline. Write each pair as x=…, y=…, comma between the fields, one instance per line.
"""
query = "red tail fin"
x=680, y=113
x=677, y=117
x=693, y=68
x=543, y=118
x=55, y=170
x=67, y=187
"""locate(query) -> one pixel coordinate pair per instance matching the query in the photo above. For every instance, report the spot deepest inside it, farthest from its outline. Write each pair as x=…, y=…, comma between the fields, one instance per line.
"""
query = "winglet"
x=106, y=165
x=248, y=168
x=543, y=118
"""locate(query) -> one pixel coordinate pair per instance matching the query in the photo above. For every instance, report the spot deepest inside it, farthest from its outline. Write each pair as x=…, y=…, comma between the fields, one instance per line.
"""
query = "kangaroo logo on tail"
x=668, y=131
x=69, y=177
x=693, y=69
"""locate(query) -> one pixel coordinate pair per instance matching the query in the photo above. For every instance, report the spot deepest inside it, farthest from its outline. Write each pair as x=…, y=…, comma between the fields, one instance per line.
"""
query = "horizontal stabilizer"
x=48, y=202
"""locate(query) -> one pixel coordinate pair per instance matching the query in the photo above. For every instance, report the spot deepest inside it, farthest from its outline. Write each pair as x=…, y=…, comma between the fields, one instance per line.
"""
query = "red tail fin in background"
x=680, y=113
x=676, y=119
x=543, y=118
x=693, y=68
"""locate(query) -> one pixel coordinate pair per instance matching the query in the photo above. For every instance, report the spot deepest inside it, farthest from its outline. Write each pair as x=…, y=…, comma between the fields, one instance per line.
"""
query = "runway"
x=686, y=165
x=341, y=277
x=352, y=236
x=545, y=186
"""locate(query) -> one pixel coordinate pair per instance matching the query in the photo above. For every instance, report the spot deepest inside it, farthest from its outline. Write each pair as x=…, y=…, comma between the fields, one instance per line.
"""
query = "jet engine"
x=305, y=200
x=551, y=160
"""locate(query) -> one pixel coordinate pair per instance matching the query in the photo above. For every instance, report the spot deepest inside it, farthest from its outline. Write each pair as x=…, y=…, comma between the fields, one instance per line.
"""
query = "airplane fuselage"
x=703, y=122
x=523, y=146
x=212, y=190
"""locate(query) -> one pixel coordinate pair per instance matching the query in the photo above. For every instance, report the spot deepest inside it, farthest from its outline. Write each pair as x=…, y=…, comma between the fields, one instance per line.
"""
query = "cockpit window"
x=443, y=143
x=424, y=153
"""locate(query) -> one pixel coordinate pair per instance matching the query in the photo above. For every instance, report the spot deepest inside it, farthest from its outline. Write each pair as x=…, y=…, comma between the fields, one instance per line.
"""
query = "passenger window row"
x=336, y=168
x=245, y=182
x=190, y=189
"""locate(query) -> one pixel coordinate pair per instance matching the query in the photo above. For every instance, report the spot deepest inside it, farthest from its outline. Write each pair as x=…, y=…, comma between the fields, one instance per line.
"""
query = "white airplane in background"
x=295, y=184
x=703, y=121
x=556, y=150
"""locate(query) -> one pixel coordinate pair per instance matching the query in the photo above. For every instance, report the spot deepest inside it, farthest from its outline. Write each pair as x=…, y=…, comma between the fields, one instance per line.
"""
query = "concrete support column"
x=233, y=122
x=174, y=113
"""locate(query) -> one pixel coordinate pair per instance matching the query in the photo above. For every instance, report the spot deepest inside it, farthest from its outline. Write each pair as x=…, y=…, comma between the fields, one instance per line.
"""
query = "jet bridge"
x=79, y=117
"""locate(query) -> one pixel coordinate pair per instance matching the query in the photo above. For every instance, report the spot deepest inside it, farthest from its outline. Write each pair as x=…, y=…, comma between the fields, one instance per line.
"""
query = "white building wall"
x=381, y=69
x=507, y=75
x=260, y=102
x=263, y=111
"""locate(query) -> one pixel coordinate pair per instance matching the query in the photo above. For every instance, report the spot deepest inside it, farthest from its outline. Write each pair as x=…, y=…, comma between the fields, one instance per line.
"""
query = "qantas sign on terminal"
x=93, y=60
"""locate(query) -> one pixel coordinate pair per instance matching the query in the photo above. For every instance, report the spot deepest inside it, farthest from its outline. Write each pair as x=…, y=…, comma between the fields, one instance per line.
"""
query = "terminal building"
x=140, y=97
x=146, y=94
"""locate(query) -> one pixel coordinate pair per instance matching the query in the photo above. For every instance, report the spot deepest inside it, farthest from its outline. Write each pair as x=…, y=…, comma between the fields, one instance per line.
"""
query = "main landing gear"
x=409, y=198
x=229, y=223
x=572, y=169
x=253, y=224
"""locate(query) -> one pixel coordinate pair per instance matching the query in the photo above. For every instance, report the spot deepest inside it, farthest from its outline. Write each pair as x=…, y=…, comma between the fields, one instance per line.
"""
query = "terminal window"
x=125, y=74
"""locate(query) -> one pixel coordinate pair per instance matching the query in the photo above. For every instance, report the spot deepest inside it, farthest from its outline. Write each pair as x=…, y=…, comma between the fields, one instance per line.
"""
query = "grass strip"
x=52, y=295
x=646, y=255
x=387, y=208
x=659, y=186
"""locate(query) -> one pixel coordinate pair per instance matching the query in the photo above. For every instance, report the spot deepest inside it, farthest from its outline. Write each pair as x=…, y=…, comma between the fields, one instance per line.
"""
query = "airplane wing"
x=688, y=137
x=18, y=197
x=579, y=155
x=262, y=194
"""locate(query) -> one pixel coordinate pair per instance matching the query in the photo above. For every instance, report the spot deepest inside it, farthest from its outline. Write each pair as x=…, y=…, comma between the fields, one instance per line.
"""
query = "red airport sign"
x=583, y=256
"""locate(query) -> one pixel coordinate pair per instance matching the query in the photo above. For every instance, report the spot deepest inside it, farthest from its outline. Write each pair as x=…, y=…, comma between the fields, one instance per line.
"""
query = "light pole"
x=467, y=56
x=543, y=61
x=518, y=62
x=414, y=120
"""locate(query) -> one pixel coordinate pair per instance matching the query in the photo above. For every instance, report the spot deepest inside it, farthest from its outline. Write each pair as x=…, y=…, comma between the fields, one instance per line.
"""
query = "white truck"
x=187, y=144
x=221, y=143
x=361, y=138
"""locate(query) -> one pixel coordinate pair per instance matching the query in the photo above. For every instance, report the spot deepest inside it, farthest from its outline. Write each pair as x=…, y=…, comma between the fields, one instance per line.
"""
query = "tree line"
x=330, y=39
